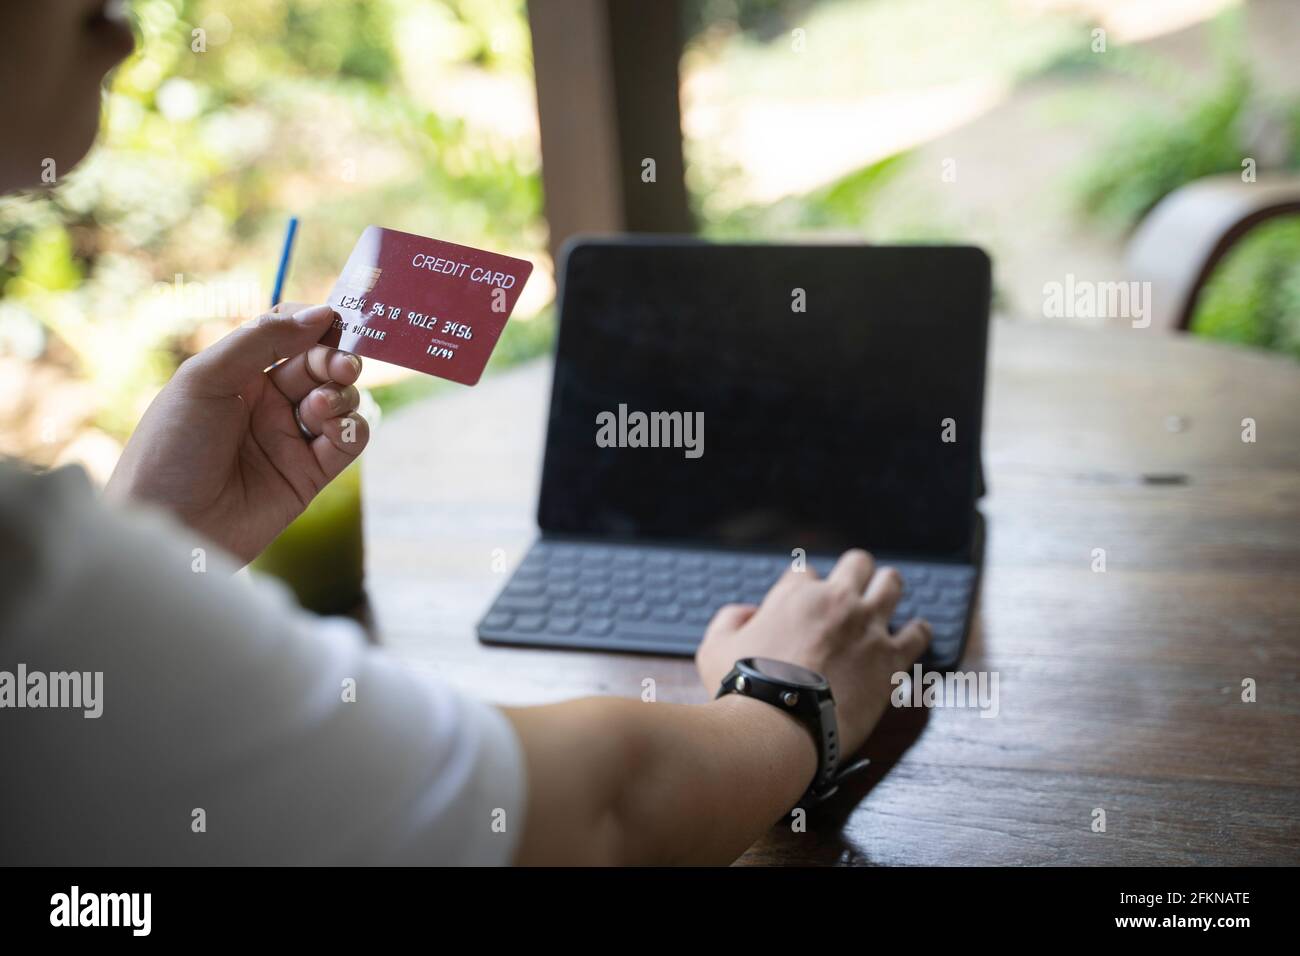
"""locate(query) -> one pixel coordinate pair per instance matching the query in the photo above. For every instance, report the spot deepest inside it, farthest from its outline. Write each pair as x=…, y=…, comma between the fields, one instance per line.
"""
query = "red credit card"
x=424, y=304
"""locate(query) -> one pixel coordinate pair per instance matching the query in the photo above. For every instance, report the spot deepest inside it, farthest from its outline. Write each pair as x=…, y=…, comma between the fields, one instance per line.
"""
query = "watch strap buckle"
x=817, y=795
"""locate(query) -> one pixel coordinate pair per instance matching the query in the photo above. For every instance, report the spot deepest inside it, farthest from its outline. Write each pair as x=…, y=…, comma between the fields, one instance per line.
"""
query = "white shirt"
x=225, y=734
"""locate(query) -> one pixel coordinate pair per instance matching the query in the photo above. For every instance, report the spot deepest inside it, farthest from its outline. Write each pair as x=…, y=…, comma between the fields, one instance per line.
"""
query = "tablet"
x=838, y=388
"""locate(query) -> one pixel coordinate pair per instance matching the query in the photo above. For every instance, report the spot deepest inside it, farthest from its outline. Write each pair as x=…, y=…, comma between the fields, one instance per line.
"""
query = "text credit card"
x=433, y=306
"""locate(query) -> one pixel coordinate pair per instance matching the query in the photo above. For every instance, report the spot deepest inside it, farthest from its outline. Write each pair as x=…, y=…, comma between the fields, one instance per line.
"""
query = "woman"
x=221, y=725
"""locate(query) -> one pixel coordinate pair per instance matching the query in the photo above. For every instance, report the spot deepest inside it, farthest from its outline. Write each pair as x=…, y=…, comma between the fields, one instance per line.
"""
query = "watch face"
x=787, y=673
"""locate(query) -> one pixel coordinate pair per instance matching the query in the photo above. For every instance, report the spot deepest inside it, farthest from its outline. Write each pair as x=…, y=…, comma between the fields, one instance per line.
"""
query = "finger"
x=288, y=330
x=318, y=365
x=852, y=571
x=914, y=638
x=730, y=618
x=339, y=443
x=808, y=573
x=792, y=578
x=884, y=591
x=326, y=402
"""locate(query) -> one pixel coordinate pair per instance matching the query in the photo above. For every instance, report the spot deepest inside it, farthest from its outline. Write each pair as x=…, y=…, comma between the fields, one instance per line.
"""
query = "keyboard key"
x=958, y=577
x=953, y=595
x=510, y=601
x=679, y=634
x=947, y=615
x=916, y=575
x=498, y=620
x=596, y=626
x=531, y=586
x=529, y=622
x=562, y=625
x=946, y=640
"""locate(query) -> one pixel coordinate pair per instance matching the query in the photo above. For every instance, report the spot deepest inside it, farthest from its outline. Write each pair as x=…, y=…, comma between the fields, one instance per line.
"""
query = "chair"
x=1178, y=244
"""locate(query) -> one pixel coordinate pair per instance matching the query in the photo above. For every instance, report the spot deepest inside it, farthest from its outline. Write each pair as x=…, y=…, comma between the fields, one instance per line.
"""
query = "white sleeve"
x=228, y=733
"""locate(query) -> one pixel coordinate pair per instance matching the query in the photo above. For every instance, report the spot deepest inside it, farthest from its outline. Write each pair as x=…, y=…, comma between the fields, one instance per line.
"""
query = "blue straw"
x=285, y=255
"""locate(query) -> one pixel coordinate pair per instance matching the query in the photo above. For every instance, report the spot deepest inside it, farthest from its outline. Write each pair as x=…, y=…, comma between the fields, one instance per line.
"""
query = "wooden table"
x=1119, y=690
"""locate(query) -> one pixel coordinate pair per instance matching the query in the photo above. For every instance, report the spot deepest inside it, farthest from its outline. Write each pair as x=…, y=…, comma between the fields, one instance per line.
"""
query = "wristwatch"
x=806, y=696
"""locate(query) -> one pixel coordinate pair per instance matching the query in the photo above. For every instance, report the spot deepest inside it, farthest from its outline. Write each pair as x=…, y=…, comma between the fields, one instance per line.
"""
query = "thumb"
x=287, y=330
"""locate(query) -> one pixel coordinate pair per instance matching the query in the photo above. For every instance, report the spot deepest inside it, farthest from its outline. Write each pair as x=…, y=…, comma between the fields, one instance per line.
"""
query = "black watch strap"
x=813, y=708
x=814, y=795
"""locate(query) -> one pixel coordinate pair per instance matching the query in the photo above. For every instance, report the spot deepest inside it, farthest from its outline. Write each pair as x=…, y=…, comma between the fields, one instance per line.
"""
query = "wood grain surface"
x=1119, y=690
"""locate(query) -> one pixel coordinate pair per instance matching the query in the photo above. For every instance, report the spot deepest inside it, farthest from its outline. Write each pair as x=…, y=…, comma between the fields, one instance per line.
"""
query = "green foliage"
x=45, y=260
x=1253, y=297
x=1157, y=153
x=352, y=41
x=1199, y=130
x=843, y=204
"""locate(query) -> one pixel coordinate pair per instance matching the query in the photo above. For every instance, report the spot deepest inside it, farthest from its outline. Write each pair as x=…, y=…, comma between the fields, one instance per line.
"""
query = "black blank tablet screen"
x=822, y=428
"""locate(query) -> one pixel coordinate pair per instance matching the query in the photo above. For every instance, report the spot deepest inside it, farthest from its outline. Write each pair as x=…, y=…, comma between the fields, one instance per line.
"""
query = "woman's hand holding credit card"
x=428, y=305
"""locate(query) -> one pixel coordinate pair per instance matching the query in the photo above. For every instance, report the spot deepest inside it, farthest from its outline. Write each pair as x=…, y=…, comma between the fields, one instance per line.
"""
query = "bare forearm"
x=620, y=781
